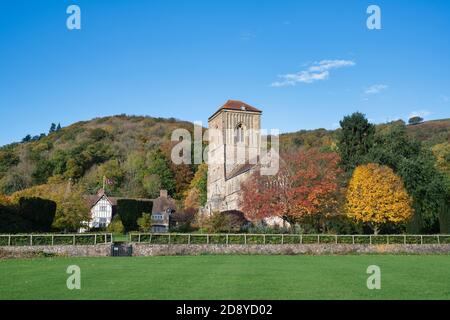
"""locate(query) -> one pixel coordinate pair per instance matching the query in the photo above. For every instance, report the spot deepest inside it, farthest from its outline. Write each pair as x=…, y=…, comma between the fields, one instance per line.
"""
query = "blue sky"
x=306, y=64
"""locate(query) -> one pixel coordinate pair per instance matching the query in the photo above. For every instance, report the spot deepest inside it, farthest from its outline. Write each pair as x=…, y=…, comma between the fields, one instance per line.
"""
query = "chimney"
x=163, y=193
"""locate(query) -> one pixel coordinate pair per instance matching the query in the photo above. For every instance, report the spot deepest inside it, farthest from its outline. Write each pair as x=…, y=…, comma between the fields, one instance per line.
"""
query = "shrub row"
x=286, y=239
x=57, y=239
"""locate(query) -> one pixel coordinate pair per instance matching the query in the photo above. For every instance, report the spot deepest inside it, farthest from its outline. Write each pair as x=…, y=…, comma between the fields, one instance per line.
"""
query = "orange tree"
x=304, y=188
x=376, y=196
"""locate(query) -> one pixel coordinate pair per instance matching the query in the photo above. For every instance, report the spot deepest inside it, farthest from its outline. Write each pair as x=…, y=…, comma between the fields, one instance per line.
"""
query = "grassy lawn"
x=228, y=277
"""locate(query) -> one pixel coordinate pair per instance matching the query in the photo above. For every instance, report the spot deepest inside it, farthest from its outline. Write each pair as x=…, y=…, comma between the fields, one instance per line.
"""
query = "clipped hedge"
x=130, y=210
x=56, y=239
x=253, y=239
x=39, y=213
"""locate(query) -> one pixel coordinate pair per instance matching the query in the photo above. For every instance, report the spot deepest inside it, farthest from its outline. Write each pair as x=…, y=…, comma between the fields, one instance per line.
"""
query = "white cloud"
x=315, y=72
x=330, y=64
x=375, y=89
x=420, y=113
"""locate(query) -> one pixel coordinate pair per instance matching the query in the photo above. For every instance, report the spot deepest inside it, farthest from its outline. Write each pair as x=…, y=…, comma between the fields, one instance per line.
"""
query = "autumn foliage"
x=305, y=186
x=376, y=196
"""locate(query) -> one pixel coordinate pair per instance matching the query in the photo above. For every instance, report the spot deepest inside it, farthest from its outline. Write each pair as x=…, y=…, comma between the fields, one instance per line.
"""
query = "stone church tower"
x=234, y=151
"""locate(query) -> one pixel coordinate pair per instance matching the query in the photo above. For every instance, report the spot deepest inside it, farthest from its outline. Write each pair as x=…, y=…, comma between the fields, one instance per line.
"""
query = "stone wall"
x=99, y=250
x=140, y=249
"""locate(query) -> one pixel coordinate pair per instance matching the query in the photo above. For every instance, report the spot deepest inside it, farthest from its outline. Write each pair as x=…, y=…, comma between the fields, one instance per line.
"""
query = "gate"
x=121, y=250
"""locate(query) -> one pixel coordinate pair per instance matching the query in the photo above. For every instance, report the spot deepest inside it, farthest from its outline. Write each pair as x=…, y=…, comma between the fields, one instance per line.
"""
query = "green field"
x=228, y=277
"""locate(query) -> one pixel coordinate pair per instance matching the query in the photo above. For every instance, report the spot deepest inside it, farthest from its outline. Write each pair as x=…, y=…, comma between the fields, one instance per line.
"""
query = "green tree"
x=158, y=165
x=145, y=222
x=130, y=211
x=27, y=138
x=98, y=134
x=43, y=171
x=52, y=128
x=152, y=185
x=72, y=212
x=442, y=153
x=113, y=171
x=196, y=195
x=417, y=167
x=354, y=140
x=8, y=159
x=415, y=120
x=116, y=225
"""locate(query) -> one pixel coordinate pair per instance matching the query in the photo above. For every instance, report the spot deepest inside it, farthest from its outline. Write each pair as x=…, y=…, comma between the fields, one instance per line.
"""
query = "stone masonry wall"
x=140, y=249
x=99, y=250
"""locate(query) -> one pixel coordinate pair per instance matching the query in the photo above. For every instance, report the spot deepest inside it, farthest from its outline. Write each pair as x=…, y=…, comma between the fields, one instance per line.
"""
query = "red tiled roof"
x=238, y=106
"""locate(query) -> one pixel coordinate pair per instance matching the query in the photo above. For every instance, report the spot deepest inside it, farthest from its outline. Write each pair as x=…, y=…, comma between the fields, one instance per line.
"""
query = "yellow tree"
x=442, y=153
x=376, y=196
x=71, y=209
x=195, y=196
x=4, y=200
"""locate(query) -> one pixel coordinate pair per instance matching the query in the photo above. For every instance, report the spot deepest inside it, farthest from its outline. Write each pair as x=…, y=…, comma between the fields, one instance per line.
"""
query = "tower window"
x=239, y=134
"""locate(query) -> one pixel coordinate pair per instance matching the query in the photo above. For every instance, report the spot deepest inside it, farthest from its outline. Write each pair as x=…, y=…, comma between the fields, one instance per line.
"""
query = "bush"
x=217, y=239
x=444, y=216
x=130, y=210
x=183, y=221
x=230, y=221
x=40, y=213
x=145, y=222
x=12, y=221
x=116, y=225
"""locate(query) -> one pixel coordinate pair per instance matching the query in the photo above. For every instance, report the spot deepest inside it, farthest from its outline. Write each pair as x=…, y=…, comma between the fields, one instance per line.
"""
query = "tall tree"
x=442, y=153
x=52, y=128
x=417, y=167
x=305, y=186
x=377, y=196
x=196, y=195
x=27, y=138
x=415, y=120
x=158, y=164
x=71, y=209
x=354, y=140
x=182, y=173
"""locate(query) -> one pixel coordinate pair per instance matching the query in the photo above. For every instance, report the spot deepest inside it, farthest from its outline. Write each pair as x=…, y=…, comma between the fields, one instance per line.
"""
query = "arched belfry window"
x=239, y=133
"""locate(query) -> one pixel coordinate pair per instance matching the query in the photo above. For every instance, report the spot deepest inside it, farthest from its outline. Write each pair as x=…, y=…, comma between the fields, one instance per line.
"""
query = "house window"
x=103, y=208
x=102, y=222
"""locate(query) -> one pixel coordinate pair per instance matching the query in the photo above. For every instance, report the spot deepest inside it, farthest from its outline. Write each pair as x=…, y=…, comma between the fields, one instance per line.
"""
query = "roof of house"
x=236, y=105
x=91, y=200
x=161, y=204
